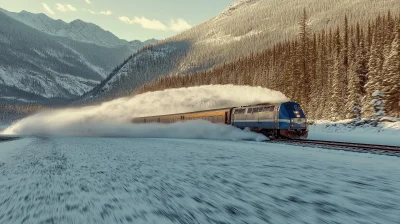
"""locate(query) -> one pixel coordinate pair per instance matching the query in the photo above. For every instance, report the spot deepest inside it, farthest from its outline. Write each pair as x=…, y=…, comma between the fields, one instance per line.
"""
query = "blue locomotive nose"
x=294, y=121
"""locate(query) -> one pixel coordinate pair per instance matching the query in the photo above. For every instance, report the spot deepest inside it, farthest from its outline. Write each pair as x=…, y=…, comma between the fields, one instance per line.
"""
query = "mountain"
x=246, y=27
x=48, y=59
x=76, y=30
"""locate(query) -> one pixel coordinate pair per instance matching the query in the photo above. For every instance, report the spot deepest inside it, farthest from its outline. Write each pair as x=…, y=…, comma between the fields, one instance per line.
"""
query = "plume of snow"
x=113, y=118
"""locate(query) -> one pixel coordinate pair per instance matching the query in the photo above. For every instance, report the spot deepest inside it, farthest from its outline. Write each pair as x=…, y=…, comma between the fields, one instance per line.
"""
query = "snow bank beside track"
x=385, y=133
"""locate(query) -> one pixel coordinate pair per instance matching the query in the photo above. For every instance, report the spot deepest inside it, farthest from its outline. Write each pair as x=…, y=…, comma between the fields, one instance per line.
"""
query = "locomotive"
x=279, y=120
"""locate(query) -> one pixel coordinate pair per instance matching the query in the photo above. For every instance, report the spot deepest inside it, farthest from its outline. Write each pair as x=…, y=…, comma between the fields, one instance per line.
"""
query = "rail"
x=342, y=145
x=8, y=138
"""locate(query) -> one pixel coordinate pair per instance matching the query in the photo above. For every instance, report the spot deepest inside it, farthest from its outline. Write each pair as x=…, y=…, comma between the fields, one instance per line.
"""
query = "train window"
x=239, y=111
x=219, y=118
x=249, y=110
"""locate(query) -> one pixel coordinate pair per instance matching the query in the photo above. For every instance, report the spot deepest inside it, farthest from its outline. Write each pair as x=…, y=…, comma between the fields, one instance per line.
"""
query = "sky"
x=127, y=19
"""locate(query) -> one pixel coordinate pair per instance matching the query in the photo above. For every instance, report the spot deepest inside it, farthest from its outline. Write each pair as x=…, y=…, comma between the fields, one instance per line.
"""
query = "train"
x=274, y=120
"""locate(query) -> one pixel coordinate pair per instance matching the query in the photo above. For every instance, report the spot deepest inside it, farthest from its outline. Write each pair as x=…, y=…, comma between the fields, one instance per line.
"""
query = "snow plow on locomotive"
x=283, y=120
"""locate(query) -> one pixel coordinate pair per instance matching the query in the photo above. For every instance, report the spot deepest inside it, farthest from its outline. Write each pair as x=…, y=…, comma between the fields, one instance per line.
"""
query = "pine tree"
x=344, y=71
x=304, y=60
x=375, y=69
x=361, y=65
x=391, y=78
x=335, y=78
x=354, y=95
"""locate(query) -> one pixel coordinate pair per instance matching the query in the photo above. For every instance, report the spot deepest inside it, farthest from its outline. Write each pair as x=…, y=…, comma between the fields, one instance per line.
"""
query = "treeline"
x=330, y=73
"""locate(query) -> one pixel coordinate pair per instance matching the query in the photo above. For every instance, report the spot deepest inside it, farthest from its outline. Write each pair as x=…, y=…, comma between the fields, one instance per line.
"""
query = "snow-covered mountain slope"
x=246, y=26
x=76, y=30
x=52, y=66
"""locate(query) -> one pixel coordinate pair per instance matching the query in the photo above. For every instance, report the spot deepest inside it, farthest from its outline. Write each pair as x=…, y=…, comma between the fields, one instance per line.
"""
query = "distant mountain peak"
x=79, y=21
x=236, y=5
x=77, y=30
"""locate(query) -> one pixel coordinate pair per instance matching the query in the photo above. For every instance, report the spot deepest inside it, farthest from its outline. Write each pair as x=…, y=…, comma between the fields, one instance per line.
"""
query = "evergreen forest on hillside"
x=330, y=73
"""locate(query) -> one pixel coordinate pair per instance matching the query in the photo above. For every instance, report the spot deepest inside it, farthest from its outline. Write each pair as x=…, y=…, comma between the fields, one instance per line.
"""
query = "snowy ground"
x=136, y=180
x=386, y=133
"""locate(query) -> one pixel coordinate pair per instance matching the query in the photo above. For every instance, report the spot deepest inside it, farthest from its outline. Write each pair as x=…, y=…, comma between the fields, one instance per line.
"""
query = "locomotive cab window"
x=293, y=107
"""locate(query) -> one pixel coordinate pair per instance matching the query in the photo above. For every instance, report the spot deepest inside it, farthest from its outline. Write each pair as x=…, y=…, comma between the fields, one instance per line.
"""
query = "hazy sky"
x=127, y=19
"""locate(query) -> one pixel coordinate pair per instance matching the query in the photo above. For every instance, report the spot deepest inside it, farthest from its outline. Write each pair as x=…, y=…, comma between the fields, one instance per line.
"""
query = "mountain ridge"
x=51, y=66
x=77, y=29
x=246, y=27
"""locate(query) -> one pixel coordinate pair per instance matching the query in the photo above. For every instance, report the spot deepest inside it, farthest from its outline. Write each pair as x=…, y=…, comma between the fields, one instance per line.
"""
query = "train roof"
x=211, y=110
x=191, y=112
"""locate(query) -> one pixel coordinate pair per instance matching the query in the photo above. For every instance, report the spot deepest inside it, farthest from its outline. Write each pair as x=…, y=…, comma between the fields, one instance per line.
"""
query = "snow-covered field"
x=386, y=133
x=127, y=180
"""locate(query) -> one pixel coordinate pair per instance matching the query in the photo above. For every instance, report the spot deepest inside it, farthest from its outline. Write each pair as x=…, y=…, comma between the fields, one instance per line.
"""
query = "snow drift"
x=385, y=133
x=113, y=118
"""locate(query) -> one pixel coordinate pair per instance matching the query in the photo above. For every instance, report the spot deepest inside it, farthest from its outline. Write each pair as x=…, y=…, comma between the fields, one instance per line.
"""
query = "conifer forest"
x=332, y=73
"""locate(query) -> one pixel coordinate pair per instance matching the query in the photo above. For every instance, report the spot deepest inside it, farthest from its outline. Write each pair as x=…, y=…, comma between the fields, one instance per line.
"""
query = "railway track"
x=7, y=138
x=348, y=146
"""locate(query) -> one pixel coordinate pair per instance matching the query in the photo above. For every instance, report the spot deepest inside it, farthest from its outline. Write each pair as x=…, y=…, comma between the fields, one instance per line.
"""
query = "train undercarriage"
x=282, y=134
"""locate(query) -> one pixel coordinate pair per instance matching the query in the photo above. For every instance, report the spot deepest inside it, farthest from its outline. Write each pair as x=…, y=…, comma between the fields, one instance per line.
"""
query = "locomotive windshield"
x=294, y=110
x=293, y=107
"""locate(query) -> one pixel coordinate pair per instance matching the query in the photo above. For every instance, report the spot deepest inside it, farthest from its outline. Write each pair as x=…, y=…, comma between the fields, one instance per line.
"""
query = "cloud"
x=47, y=8
x=145, y=23
x=65, y=8
x=125, y=20
x=107, y=13
x=88, y=2
x=177, y=26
